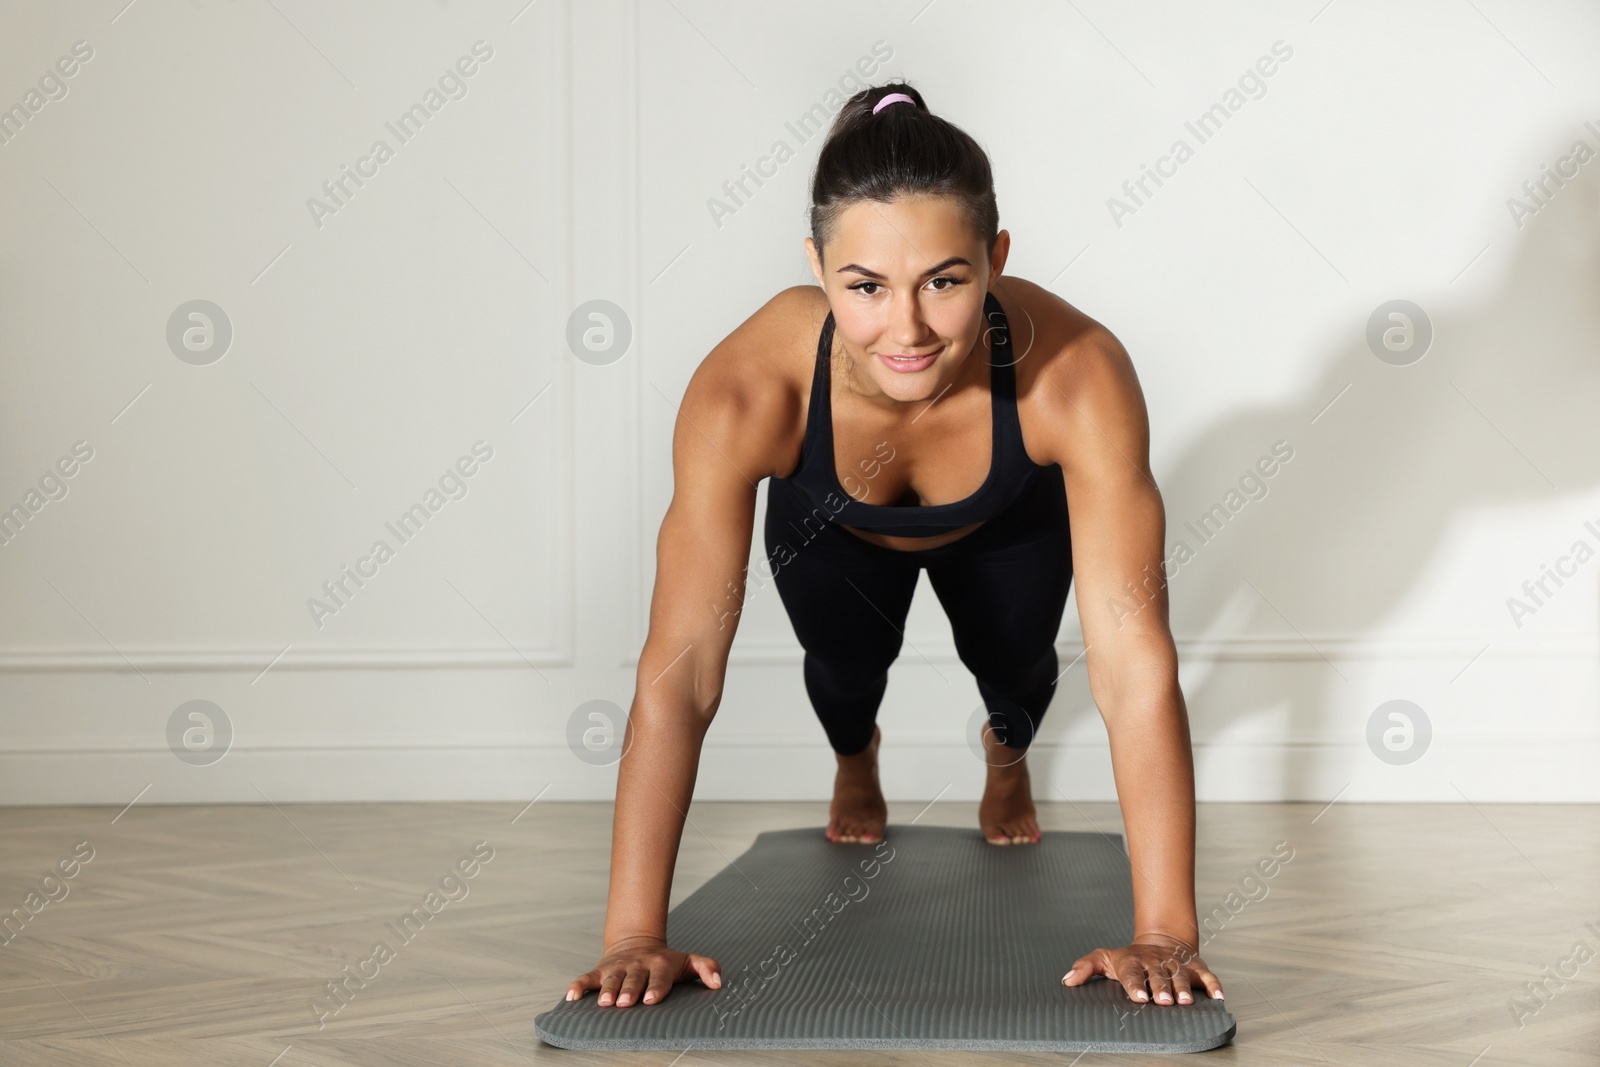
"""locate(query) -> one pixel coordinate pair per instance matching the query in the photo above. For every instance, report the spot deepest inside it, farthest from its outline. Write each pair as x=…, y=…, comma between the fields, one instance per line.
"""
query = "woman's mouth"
x=907, y=364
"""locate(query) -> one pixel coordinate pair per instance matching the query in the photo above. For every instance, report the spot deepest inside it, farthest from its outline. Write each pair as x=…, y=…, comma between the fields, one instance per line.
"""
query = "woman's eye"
x=871, y=288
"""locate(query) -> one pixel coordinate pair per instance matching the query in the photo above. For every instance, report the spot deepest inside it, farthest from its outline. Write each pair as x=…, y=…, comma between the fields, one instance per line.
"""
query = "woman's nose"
x=906, y=325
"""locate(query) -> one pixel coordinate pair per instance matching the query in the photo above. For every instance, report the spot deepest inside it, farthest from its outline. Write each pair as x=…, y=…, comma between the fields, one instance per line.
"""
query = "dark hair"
x=900, y=151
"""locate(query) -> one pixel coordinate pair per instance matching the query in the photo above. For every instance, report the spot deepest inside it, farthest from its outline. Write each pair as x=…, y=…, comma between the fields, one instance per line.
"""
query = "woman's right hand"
x=645, y=964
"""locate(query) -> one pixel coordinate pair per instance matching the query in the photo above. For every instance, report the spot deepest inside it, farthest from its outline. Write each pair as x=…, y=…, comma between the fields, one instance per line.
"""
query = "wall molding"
x=230, y=659
x=173, y=659
x=1342, y=647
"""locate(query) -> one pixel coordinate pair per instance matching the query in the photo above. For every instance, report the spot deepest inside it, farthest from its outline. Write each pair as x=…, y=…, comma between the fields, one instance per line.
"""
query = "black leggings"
x=1003, y=586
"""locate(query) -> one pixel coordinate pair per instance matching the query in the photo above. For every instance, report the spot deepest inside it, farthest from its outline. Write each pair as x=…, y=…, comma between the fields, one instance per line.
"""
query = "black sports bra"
x=1011, y=471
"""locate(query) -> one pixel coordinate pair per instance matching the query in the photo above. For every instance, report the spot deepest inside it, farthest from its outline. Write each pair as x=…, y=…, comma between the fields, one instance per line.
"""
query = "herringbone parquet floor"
x=1397, y=934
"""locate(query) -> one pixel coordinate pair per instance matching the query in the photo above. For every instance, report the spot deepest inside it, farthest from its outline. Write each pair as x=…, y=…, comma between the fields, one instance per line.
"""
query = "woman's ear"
x=1002, y=249
x=816, y=259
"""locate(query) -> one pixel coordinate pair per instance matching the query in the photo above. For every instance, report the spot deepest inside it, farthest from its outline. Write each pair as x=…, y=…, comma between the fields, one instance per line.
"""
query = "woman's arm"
x=1118, y=533
x=729, y=431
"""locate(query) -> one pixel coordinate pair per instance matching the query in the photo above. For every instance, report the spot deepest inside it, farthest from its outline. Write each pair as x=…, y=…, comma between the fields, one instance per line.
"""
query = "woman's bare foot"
x=1006, y=814
x=858, y=813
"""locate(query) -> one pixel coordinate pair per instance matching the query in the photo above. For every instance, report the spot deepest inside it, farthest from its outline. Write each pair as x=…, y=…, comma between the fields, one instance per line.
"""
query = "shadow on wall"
x=1501, y=410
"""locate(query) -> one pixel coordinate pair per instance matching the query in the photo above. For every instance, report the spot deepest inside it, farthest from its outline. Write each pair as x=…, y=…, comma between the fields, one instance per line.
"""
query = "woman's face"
x=907, y=279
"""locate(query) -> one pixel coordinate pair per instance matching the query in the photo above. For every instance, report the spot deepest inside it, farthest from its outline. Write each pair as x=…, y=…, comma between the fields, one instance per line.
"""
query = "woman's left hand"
x=1153, y=966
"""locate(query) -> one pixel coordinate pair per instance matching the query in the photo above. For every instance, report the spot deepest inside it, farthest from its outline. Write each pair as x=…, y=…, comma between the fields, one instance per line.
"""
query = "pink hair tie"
x=892, y=98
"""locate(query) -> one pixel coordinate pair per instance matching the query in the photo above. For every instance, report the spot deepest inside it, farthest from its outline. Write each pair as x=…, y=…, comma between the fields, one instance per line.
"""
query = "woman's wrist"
x=1179, y=950
x=1174, y=935
x=637, y=934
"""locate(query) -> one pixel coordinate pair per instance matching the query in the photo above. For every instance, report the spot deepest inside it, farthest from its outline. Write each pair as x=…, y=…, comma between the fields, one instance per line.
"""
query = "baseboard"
x=1479, y=769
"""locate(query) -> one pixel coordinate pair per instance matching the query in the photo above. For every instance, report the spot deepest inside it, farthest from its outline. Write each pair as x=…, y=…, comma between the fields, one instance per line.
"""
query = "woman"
x=914, y=433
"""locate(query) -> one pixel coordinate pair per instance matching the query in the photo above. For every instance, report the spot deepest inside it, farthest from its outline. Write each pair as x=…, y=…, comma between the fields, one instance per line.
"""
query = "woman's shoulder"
x=1072, y=372
x=755, y=381
x=1047, y=333
x=768, y=354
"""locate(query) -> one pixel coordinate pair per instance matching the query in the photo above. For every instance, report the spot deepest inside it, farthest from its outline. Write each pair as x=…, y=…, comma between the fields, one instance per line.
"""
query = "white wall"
x=373, y=346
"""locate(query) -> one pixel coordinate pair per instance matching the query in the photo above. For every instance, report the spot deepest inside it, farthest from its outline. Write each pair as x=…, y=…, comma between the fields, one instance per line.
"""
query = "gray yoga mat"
x=932, y=939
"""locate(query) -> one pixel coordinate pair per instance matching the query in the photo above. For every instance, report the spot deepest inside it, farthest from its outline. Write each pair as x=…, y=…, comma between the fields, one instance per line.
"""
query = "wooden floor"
x=204, y=935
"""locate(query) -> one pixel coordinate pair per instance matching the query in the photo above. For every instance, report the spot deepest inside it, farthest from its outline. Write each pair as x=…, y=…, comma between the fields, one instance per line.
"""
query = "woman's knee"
x=1010, y=668
x=848, y=673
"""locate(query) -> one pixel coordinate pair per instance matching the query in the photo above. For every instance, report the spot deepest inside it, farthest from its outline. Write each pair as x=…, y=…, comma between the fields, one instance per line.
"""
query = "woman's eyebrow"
x=953, y=261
